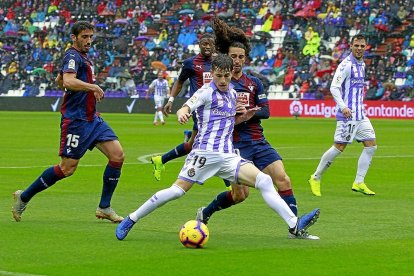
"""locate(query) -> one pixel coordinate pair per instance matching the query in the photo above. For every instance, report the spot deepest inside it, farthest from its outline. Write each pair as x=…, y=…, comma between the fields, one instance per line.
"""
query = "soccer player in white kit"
x=161, y=90
x=213, y=153
x=347, y=89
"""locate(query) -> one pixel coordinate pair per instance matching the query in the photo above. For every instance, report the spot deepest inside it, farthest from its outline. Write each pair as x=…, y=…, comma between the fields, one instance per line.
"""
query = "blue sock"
x=290, y=200
x=110, y=181
x=181, y=150
x=49, y=177
x=222, y=201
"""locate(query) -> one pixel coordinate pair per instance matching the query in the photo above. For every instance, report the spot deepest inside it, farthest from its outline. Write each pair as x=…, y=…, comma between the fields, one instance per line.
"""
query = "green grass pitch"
x=59, y=234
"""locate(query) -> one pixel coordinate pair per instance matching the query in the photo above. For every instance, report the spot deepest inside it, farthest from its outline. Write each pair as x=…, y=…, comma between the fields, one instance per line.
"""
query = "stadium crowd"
x=296, y=45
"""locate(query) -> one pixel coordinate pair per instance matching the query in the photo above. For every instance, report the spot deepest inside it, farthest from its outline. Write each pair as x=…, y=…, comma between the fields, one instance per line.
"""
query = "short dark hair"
x=222, y=62
x=358, y=37
x=207, y=35
x=80, y=26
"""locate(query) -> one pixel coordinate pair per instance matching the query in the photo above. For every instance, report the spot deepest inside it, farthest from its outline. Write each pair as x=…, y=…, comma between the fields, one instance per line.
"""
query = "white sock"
x=157, y=200
x=156, y=117
x=265, y=185
x=364, y=162
x=161, y=116
x=327, y=158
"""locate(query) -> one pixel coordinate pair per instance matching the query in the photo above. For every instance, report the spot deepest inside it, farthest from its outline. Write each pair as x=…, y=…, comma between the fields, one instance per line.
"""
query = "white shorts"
x=347, y=131
x=201, y=165
x=159, y=101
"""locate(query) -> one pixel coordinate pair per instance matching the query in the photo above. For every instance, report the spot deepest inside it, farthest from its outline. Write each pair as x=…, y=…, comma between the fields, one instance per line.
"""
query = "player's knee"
x=371, y=150
x=177, y=191
x=283, y=182
x=68, y=170
x=118, y=157
x=240, y=195
x=263, y=181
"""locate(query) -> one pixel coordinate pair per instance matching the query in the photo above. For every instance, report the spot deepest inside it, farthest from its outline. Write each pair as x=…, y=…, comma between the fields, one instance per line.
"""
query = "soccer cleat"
x=158, y=167
x=362, y=188
x=187, y=135
x=315, y=185
x=304, y=222
x=123, y=228
x=163, y=122
x=200, y=215
x=155, y=123
x=109, y=214
x=305, y=236
x=18, y=205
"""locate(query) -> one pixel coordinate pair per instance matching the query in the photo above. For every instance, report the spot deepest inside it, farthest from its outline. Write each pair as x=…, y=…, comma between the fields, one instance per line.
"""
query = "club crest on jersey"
x=71, y=64
x=191, y=172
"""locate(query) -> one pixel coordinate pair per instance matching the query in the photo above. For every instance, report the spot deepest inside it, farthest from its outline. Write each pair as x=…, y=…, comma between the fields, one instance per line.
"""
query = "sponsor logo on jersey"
x=243, y=98
x=262, y=96
x=207, y=77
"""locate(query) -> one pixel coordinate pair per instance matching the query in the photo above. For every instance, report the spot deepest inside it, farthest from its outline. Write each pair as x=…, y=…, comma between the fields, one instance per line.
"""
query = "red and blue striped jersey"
x=78, y=104
x=251, y=92
x=198, y=70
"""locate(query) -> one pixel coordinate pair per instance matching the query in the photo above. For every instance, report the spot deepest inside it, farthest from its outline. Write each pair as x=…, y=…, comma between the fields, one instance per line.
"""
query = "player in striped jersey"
x=197, y=70
x=213, y=153
x=81, y=128
x=347, y=89
x=160, y=89
x=248, y=136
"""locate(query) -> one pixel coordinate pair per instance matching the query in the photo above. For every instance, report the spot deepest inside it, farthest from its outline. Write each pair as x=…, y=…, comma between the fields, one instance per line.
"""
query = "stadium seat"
x=399, y=82
x=257, y=28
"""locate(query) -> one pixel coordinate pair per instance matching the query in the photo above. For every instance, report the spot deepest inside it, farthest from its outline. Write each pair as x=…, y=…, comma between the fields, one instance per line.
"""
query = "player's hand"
x=347, y=113
x=167, y=108
x=183, y=115
x=247, y=115
x=183, y=118
x=98, y=93
x=240, y=108
x=59, y=81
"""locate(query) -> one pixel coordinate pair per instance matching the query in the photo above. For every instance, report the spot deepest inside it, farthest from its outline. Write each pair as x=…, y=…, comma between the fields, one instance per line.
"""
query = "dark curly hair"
x=227, y=37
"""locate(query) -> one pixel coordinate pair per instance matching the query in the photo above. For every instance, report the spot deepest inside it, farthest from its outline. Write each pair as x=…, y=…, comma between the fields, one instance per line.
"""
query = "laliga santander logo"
x=296, y=108
x=311, y=109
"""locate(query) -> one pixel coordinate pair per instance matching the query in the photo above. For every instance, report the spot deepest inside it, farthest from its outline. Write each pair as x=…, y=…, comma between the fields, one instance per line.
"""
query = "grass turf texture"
x=59, y=235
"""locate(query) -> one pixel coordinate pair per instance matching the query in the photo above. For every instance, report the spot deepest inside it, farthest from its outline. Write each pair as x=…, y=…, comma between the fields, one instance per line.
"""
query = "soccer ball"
x=194, y=234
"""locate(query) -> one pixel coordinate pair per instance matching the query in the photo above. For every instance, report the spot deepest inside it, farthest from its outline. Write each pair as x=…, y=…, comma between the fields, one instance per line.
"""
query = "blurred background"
x=296, y=45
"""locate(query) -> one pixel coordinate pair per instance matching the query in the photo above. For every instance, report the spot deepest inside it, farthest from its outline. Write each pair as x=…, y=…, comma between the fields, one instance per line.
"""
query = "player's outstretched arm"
x=72, y=83
x=246, y=115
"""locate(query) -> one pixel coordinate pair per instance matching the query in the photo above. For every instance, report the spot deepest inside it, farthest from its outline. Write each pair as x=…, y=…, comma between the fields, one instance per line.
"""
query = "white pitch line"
x=144, y=159
x=9, y=273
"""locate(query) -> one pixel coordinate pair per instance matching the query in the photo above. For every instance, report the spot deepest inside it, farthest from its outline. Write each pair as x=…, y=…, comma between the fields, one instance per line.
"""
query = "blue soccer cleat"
x=304, y=222
x=123, y=228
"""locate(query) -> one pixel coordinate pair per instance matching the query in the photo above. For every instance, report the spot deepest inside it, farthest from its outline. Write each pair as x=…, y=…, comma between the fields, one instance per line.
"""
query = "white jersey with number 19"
x=215, y=113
